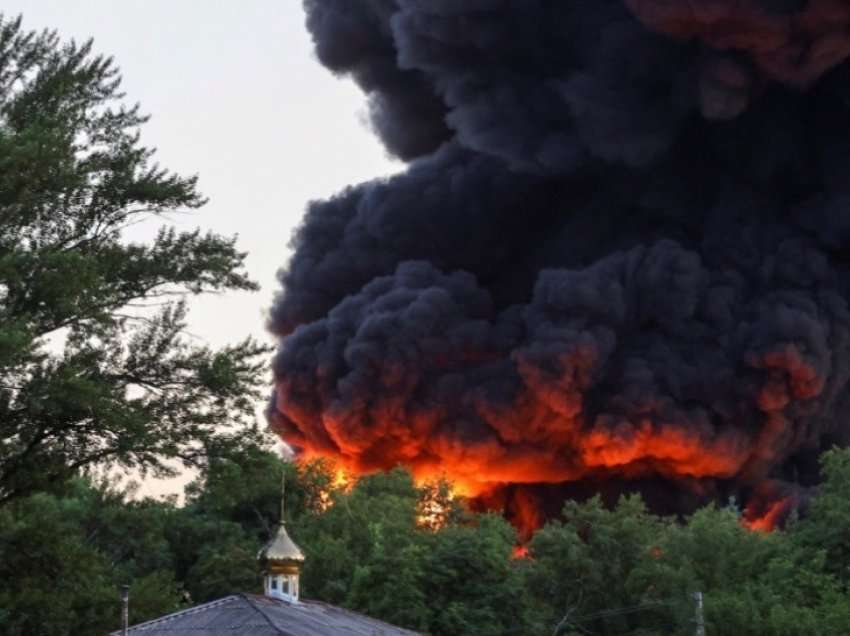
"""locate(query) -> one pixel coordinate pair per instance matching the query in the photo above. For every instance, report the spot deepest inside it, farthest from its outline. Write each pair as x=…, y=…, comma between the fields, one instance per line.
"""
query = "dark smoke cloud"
x=354, y=38
x=618, y=255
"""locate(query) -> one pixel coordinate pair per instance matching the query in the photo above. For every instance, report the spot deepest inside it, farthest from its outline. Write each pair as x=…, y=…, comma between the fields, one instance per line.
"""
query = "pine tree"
x=95, y=368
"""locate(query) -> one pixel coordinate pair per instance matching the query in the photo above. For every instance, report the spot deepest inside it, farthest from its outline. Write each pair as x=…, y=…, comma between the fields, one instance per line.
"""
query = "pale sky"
x=237, y=97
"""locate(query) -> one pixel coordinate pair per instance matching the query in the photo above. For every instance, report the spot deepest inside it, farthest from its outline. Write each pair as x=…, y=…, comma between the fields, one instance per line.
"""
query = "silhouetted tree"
x=94, y=366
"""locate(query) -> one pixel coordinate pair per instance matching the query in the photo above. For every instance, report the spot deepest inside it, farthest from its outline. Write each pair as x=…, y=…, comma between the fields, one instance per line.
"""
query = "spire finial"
x=281, y=558
x=283, y=496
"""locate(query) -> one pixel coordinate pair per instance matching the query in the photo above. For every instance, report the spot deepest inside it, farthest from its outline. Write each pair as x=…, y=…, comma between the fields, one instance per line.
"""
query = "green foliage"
x=472, y=584
x=227, y=563
x=444, y=572
x=592, y=571
x=624, y=571
x=94, y=366
x=827, y=527
x=244, y=489
x=569, y=577
x=359, y=538
x=62, y=559
x=55, y=580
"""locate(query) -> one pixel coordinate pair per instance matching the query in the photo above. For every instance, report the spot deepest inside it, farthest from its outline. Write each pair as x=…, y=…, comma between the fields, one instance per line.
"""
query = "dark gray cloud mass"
x=618, y=254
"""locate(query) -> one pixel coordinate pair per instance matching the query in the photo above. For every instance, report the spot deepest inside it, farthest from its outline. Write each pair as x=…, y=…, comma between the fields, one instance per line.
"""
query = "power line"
x=622, y=610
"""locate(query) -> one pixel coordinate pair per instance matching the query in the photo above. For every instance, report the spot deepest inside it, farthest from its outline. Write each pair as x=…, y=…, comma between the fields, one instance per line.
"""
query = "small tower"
x=281, y=560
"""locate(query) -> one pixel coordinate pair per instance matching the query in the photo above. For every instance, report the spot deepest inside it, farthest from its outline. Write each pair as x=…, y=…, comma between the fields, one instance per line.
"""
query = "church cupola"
x=281, y=560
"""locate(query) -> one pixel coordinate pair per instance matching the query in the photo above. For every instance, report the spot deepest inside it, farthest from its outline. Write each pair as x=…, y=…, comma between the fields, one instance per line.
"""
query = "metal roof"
x=252, y=615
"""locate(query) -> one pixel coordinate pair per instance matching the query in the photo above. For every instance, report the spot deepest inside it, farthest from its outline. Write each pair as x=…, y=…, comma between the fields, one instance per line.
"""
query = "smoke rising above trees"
x=614, y=261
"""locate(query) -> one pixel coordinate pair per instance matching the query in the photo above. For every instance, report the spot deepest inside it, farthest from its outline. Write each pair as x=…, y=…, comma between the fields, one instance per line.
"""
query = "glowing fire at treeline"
x=763, y=514
x=615, y=262
x=437, y=496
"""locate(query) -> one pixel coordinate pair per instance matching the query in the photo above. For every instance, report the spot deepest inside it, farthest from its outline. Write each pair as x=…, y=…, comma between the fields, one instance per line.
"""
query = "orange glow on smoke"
x=791, y=47
x=671, y=451
x=546, y=449
x=478, y=466
x=542, y=435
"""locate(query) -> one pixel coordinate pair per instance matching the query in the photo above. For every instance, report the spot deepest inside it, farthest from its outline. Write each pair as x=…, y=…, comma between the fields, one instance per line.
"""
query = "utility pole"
x=699, y=619
x=125, y=609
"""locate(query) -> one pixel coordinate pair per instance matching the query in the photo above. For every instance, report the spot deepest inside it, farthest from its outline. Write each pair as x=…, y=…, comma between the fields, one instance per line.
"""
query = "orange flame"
x=520, y=552
x=435, y=507
x=767, y=520
x=540, y=438
x=341, y=481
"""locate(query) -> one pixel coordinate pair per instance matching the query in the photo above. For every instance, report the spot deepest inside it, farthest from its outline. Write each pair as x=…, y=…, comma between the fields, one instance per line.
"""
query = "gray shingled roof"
x=251, y=615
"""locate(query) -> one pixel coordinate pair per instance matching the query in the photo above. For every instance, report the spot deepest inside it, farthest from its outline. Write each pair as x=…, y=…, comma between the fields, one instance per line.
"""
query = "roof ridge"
x=184, y=612
x=250, y=602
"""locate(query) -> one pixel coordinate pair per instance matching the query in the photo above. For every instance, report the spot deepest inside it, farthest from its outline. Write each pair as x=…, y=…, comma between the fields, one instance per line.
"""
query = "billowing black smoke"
x=618, y=254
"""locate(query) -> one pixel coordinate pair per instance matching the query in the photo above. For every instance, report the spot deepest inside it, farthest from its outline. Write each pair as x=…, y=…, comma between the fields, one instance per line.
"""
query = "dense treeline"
x=414, y=556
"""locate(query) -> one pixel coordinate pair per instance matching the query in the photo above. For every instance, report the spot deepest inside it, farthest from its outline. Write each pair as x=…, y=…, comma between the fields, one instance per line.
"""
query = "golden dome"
x=281, y=549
